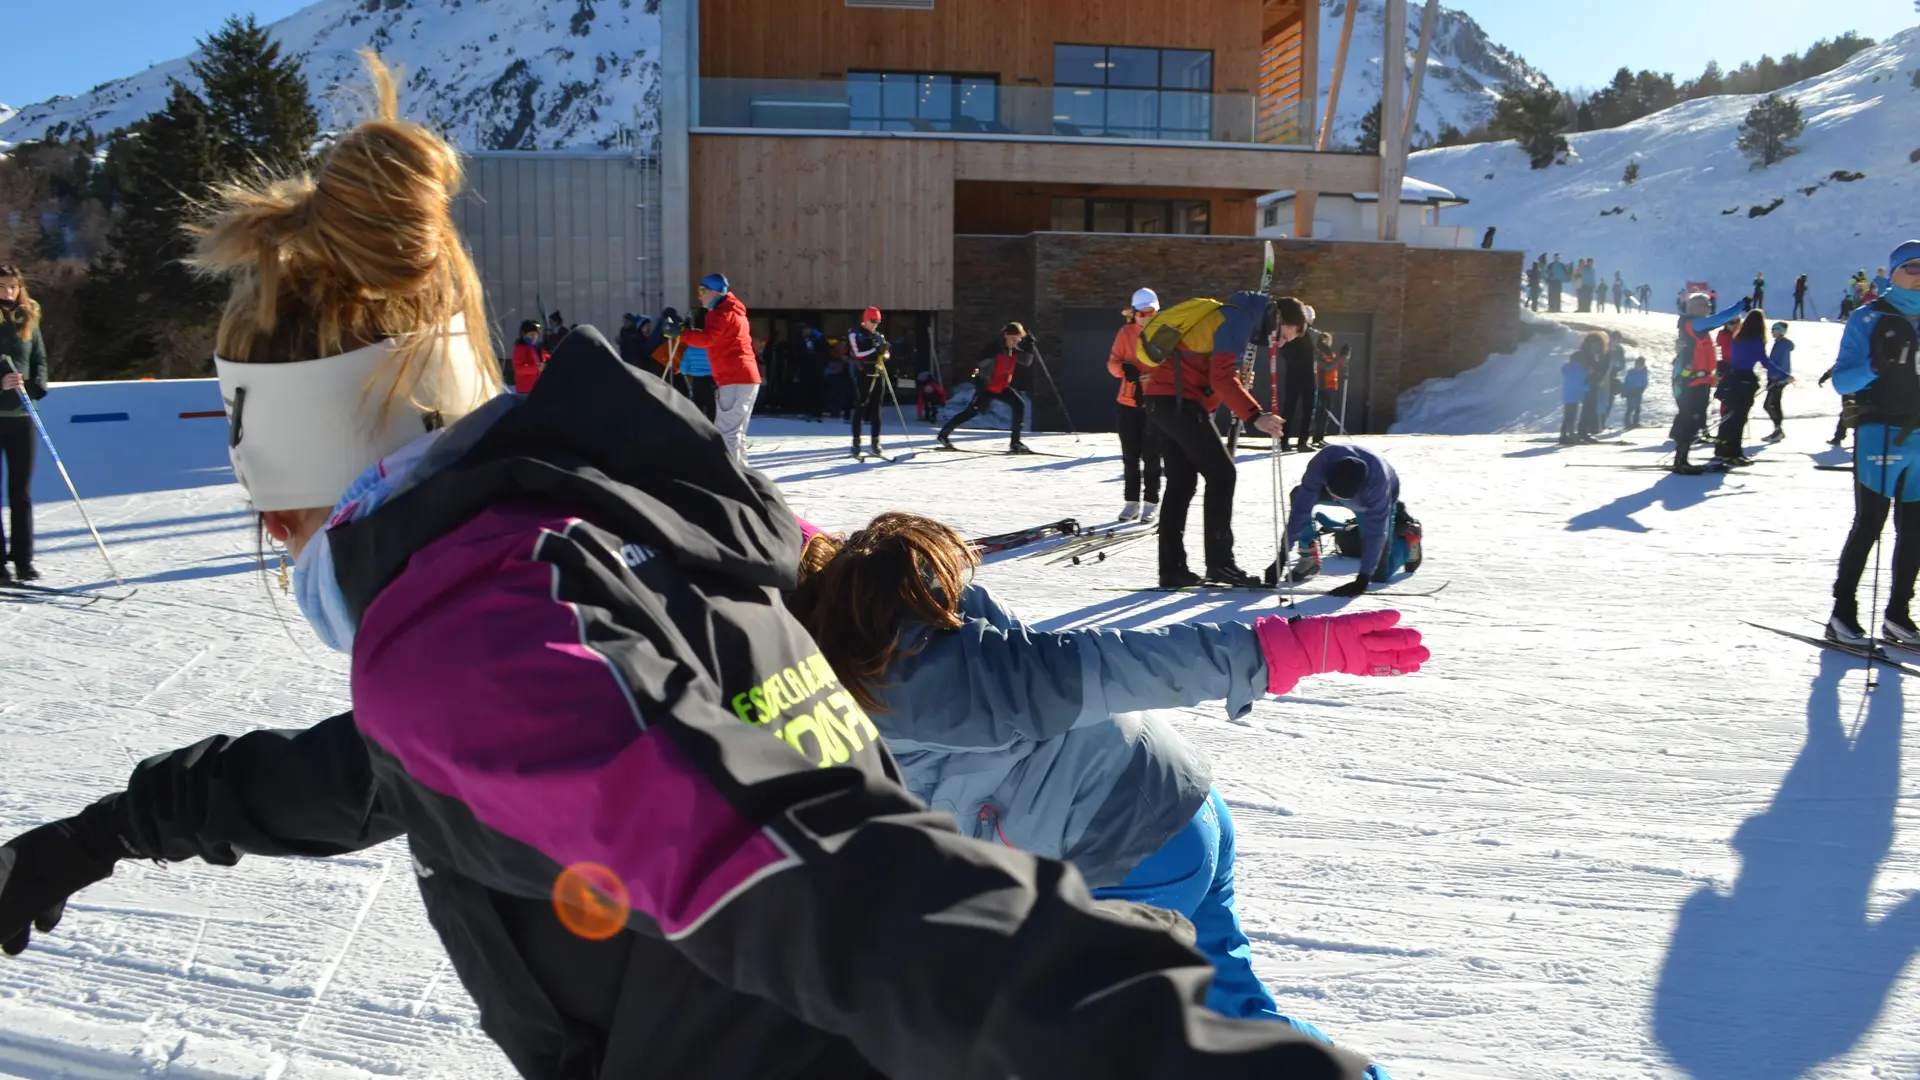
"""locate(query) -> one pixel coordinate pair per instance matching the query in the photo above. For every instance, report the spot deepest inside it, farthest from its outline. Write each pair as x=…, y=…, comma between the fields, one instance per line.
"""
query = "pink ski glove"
x=1362, y=643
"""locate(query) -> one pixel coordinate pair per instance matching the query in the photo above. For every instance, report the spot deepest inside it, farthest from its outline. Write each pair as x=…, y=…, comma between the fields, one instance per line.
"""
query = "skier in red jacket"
x=736, y=372
x=529, y=359
x=993, y=381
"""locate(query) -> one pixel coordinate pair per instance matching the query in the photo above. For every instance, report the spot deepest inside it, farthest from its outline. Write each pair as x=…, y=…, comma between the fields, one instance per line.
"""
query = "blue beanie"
x=716, y=282
x=1904, y=253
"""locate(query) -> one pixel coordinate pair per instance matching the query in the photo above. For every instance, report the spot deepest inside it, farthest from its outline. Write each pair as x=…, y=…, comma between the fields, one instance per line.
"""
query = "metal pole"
x=54, y=453
x=1042, y=361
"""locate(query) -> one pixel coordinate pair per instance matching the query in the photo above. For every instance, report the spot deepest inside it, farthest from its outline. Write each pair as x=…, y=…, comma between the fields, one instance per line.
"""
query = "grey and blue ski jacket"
x=1046, y=742
x=1373, y=502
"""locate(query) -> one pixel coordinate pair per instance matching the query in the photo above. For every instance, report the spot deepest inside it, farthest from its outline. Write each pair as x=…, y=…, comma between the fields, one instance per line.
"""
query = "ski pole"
x=1275, y=445
x=1067, y=416
x=52, y=452
x=894, y=396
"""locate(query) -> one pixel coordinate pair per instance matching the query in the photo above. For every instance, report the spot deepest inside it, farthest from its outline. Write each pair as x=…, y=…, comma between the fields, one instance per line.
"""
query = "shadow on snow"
x=1788, y=970
x=1671, y=492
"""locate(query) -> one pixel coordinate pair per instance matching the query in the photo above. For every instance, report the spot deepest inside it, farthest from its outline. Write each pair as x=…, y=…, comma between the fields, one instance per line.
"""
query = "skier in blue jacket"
x=1364, y=483
x=1779, y=365
x=1634, y=386
x=1877, y=367
x=1047, y=741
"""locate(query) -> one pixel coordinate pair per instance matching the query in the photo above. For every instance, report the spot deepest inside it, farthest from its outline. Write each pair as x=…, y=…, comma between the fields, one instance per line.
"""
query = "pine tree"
x=1771, y=127
x=1530, y=115
x=1632, y=174
x=147, y=313
x=256, y=99
x=1369, y=142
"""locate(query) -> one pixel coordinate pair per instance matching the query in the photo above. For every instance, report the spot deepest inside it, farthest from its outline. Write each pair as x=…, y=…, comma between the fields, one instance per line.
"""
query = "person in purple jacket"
x=1739, y=385
x=656, y=833
x=1363, y=482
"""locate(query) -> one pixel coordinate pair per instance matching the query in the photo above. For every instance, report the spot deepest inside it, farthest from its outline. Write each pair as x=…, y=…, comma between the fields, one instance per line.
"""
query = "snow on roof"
x=1417, y=192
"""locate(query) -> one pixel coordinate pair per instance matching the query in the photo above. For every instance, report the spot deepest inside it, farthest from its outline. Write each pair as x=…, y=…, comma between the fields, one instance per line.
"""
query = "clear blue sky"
x=67, y=46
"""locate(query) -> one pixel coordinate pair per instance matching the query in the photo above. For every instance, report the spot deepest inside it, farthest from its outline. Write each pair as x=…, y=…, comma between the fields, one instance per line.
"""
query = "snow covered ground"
x=1610, y=832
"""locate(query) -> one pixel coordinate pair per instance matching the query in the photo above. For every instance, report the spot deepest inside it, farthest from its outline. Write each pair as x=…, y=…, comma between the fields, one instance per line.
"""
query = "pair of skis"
x=1018, y=538
x=1282, y=591
x=1095, y=545
x=1881, y=654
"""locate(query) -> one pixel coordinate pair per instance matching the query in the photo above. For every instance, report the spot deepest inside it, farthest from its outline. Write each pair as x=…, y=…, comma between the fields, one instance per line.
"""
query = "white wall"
x=130, y=437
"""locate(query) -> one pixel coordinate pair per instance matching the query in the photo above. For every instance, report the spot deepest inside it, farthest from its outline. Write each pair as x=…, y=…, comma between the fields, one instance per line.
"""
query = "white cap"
x=1145, y=298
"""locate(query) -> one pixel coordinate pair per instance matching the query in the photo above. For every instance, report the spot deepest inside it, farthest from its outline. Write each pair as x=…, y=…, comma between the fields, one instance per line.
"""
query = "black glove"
x=1826, y=378
x=41, y=869
x=1352, y=588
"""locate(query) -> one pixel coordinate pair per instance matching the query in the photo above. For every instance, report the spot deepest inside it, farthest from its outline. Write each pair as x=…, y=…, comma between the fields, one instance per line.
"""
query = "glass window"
x=1109, y=215
x=1149, y=217
x=1198, y=220
x=921, y=101
x=1069, y=215
x=1133, y=93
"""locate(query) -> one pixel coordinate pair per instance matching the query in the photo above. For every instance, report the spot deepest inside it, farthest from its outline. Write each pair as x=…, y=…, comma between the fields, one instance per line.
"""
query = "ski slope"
x=1610, y=833
x=1699, y=210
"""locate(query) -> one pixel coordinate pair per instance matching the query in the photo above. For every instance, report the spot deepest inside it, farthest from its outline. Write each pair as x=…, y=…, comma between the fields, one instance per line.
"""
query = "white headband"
x=300, y=433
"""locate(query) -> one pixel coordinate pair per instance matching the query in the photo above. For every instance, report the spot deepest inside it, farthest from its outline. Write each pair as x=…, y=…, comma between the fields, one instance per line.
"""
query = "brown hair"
x=1289, y=311
x=28, y=306
x=1594, y=342
x=855, y=593
x=362, y=250
x=1752, y=325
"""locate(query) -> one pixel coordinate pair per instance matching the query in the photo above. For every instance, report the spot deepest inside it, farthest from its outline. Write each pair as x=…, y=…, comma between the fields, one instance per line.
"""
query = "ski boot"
x=1776, y=436
x=1233, y=576
x=1307, y=565
x=1130, y=511
x=945, y=439
x=1685, y=468
x=1411, y=533
x=1844, y=629
x=874, y=449
x=1898, y=629
x=1148, y=511
x=1021, y=448
x=25, y=572
x=1179, y=579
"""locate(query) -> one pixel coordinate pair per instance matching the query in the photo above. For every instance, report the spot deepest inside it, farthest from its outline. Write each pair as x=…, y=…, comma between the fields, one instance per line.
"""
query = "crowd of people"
x=1549, y=280
x=665, y=754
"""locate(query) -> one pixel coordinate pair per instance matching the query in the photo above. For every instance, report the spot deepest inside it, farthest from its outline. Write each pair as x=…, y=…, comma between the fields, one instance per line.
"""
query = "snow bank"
x=1517, y=391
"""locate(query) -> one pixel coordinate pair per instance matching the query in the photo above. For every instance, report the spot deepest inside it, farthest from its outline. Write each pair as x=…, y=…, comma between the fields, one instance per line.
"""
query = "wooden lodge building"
x=960, y=163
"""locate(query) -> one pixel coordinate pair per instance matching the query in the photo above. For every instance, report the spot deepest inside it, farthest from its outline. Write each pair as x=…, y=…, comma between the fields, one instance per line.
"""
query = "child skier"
x=1573, y=394
x=1779, y=365
x=1361, y=481
x=1877, y=366
x=572, y=676
x=1634, y=386
x=1049, y=742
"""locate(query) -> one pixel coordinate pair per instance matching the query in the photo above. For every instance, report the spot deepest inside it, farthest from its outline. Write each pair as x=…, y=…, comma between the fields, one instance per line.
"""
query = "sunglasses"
x=1911, y=266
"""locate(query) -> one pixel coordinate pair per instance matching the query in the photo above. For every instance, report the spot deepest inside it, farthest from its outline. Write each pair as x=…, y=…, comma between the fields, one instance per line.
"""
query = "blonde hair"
x=362, y=250
x=27, y=306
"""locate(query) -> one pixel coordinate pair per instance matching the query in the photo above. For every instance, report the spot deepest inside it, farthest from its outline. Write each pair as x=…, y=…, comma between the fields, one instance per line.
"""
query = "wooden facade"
x=1014, y=39
x=830, y=223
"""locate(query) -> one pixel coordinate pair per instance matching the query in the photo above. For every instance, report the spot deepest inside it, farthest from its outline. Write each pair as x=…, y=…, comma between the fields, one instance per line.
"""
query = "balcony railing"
x=1055, y=112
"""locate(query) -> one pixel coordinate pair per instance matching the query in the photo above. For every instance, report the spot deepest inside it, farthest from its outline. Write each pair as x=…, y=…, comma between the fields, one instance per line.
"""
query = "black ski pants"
x=1139, y=455
x=1296, y=408
x=1799, y=307
x=1690, y=417
x=1869, y=518
x=1733, y=423
x=1774, y=411
x=701, y=389
x=1632, y=418
x=983, y=398
x=1553, y=296
x=872, y=386
x=1193, y=450
x=16, y=450
x=1569, y=421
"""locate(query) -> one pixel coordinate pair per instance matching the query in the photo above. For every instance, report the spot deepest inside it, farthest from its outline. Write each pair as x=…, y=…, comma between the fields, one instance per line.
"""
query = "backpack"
x=1204, y=325
x=1894, y=395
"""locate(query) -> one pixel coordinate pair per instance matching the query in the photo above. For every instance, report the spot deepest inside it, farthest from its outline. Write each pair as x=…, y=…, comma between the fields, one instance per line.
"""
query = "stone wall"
x=1462, y=307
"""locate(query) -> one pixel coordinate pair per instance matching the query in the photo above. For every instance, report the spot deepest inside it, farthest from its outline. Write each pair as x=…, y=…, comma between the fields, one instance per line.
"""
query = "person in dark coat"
x=1800, y=297
x=993, y=381
x=23, y=371
x=1298, y=393
x=632, y=341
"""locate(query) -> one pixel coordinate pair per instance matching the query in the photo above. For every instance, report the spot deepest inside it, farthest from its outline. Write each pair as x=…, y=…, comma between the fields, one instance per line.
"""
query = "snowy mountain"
x=1465, y=70
x=1699, y=210
x=491, y=74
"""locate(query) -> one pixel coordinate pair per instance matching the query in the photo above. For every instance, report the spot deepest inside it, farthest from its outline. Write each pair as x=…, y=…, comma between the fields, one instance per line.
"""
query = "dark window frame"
x=959, y=78
x=1172, y=211
x=1195, y=101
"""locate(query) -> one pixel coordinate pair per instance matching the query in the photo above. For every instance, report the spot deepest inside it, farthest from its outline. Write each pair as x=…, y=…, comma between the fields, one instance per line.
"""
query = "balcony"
x=976, y=106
